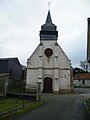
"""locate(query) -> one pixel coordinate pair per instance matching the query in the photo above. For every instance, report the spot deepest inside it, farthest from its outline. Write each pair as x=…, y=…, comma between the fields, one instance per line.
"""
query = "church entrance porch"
x=47, y=85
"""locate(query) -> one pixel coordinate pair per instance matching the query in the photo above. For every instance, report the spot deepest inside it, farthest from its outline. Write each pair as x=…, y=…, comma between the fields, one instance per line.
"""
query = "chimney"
x=88, y=41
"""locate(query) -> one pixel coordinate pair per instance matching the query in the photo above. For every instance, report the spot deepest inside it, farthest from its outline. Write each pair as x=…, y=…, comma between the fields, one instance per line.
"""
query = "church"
x=48, y=64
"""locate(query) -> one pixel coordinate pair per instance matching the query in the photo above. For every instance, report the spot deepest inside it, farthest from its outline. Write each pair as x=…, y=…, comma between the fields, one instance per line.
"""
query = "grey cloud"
x=20, y=22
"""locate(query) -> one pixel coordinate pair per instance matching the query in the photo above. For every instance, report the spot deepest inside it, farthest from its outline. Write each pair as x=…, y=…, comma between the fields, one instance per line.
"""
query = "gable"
x=33, y=59
x=63, y=53
x=63, y=60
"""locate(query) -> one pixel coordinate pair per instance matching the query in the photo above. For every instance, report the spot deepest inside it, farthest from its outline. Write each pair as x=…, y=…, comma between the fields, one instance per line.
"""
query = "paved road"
x=58, y=107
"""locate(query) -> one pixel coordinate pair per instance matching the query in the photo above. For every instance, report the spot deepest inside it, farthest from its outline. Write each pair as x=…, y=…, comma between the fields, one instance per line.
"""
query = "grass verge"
x=82, y=86
x=20, y=111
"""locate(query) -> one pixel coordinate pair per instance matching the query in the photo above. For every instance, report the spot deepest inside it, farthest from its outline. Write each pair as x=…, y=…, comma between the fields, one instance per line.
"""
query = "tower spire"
x=48, y=30
x=48, y=19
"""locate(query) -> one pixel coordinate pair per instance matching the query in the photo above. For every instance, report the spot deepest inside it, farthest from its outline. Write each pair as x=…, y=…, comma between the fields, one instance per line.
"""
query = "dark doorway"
x=47, y=85
x=83, y=82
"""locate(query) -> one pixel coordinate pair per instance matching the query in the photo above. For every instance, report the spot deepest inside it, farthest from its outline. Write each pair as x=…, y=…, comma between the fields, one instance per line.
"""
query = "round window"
x=48, y=52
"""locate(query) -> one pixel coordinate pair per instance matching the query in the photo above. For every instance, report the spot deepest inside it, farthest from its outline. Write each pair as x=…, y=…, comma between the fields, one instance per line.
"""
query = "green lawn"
x=8, y=105
x=15, y=89
x=19, y=89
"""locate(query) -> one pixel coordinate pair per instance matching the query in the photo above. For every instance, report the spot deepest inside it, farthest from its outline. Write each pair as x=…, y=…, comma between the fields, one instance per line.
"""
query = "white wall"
x=57, y=66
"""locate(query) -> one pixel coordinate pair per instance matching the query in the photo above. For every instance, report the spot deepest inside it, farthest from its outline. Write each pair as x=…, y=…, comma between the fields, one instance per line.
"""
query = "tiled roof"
x=81, y=76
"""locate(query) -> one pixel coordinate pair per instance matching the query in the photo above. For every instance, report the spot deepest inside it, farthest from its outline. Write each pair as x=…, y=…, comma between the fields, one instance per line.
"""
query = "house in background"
x=81, y=79
x=12, y=67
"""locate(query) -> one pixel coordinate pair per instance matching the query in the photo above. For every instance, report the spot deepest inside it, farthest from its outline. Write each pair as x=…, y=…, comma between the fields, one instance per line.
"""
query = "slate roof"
x=14, y=59
x=49, y=20
x=48, y=30
x=11, y=66
x=48, y=26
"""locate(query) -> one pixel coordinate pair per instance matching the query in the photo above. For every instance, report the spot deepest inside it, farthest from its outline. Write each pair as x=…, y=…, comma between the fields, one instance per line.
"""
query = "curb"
x=87, y=110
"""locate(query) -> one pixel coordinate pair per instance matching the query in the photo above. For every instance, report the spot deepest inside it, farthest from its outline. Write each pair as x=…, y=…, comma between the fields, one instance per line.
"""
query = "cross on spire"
x=48, y=6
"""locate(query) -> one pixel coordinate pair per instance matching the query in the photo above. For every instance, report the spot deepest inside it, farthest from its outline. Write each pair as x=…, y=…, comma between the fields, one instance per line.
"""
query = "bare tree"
x=84, y=65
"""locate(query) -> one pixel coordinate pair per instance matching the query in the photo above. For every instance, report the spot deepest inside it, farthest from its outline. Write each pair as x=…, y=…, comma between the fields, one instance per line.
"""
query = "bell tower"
x=48, y=30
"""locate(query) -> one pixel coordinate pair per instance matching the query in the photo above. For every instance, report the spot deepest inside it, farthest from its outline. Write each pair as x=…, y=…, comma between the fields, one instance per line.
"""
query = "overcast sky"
x=21, y=20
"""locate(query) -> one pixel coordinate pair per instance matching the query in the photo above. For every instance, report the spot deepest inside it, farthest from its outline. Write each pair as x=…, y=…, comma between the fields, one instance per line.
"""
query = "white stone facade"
x=57, y=67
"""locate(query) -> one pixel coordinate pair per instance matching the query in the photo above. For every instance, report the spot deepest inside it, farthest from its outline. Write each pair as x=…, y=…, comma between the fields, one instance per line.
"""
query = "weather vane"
x=48, y=5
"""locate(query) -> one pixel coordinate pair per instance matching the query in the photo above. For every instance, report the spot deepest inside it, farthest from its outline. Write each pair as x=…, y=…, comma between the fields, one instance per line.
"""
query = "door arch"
x=47, y=85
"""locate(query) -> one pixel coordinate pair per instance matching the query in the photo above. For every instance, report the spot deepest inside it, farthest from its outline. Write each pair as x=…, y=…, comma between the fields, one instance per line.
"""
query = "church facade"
x=48, y=64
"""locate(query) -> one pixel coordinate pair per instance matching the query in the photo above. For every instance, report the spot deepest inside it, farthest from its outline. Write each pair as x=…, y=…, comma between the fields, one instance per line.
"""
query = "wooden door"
x=47, y=86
